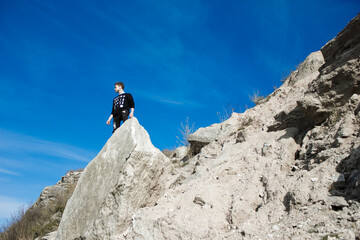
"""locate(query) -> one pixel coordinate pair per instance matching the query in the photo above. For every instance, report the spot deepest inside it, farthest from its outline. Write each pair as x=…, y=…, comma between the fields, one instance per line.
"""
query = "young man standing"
x=121, y=106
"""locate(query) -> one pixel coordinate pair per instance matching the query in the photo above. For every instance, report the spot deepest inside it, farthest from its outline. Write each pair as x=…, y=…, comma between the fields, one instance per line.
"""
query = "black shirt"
x=121, y=102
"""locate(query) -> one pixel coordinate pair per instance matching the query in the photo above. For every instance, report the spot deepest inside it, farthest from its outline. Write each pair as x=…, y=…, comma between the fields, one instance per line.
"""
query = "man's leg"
x=124, y=115
x=116, y=122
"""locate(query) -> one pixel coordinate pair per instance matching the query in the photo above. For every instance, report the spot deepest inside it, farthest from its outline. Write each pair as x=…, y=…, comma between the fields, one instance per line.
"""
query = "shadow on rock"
x=347, y=184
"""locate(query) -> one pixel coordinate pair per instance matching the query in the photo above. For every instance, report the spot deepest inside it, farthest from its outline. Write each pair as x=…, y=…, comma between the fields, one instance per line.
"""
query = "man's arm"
x=109, y=120
x=111, y=116
x=131, y=105
x=132, y=112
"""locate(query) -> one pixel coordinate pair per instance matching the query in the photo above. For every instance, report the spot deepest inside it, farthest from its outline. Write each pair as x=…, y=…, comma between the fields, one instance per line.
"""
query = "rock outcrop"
x=44, y=216
x=285, y=169
x=59, y=193
x=204, y=136
x=124, y=177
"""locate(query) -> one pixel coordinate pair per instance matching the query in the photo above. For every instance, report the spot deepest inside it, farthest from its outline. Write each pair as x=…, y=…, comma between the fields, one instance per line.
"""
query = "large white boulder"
x=122, y=178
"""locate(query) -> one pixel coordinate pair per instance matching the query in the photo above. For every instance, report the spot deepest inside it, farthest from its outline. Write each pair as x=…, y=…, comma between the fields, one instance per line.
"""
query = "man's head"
x=119, y=87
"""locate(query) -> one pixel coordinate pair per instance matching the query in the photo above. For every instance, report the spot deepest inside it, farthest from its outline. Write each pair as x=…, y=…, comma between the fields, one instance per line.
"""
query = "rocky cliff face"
x=285, y=169
x=59, y=193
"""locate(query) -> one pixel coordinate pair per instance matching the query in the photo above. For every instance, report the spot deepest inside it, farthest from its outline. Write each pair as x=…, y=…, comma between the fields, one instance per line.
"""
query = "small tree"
x=256, y=98
x=185, y=131
x=228, y=110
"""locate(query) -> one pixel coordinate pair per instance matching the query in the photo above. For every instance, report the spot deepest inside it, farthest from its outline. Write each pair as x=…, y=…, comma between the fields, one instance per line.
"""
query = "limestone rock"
x=337, y=202
x=345, y=46
x=286, y=169
x=60, y=192
x=123, y=178
x=48, y=236
x=51, y=203
x=204, y=136
x=181, y=152
x=310, y=67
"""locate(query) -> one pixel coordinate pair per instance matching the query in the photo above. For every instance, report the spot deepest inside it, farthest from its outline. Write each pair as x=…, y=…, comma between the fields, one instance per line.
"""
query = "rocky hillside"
x=59, y=193
x=45, y=214
x=285, y=169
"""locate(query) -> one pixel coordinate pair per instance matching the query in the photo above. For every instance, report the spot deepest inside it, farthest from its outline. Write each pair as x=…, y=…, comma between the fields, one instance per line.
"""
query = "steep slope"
x=285, y=169
x=288, y=168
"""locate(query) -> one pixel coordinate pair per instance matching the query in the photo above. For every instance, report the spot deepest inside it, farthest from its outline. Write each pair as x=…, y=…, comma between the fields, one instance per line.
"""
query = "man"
x=121, y=106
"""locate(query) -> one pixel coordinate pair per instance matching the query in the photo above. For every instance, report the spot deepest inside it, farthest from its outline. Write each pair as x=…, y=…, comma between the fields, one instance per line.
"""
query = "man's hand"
x=109, y=120
x=131, y=115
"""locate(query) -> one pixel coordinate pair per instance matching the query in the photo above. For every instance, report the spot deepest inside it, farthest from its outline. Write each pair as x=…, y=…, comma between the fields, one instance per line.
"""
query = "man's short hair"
x=121, y=84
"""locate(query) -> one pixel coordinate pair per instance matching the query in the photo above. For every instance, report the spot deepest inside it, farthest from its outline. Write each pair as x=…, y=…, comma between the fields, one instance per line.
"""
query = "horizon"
x=178, y=59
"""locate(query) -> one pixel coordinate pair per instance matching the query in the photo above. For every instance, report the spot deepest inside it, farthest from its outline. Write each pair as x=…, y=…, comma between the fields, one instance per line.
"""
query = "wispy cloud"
x=172, y=101
x=2, y=170
x=156, y=45
x=20, y=143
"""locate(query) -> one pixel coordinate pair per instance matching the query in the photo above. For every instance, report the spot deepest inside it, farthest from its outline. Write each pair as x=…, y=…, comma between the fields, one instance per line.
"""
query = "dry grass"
x=185, y=130
x=30, y=223
x=247, y=122
x=27, y=224
x=228, y=110
x=256, y=98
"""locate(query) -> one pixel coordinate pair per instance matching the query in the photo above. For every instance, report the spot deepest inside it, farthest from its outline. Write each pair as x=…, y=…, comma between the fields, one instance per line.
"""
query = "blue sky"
x=190, y=58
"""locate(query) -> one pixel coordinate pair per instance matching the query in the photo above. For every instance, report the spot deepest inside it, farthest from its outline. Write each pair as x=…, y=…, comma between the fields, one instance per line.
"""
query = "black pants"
x=122, y=117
